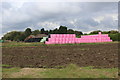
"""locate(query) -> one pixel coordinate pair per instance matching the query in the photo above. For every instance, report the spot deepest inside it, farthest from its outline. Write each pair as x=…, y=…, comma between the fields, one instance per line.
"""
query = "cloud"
x=84, y=16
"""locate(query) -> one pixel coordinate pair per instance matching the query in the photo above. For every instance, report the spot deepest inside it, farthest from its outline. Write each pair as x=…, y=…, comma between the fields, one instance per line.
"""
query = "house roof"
x=31, y=36
x=40, y=35
x=37, y=36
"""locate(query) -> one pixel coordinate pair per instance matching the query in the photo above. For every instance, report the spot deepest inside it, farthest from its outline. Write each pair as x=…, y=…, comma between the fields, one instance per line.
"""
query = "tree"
x=105, y=32
x=62, y=30
x=42, y=31
x=55, y=31
x=22, y=36
x=17, y=38
x=35, y=32
x=85, y=34
x=78, y=33
x=13, y=35
x=113, y=32
x=46, y=32
x=95, y=32
x=27, y=32
x=50, y=31
x=70, y=31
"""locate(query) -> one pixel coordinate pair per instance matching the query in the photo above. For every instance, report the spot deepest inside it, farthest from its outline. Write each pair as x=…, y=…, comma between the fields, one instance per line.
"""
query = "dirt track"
x=100, y=55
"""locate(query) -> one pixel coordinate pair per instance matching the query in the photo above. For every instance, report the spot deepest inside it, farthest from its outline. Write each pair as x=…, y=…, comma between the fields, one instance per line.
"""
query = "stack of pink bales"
x=71, y=38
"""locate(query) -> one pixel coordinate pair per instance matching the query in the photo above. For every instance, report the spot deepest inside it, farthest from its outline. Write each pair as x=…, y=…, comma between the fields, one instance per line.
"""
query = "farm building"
x=36, y=38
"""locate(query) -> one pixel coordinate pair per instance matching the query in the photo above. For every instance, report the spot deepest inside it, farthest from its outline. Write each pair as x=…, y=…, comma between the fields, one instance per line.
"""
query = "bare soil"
x=99, y=56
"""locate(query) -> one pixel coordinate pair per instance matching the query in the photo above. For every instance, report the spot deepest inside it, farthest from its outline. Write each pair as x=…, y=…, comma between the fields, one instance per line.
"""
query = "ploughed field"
x=58, y=56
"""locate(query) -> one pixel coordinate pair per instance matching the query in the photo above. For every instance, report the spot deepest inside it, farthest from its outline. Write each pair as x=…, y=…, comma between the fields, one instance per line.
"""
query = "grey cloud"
x=6, y=5
x=35, y=15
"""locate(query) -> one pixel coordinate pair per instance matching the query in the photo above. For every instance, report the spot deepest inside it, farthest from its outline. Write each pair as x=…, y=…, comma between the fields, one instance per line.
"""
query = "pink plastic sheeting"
x=71, y=38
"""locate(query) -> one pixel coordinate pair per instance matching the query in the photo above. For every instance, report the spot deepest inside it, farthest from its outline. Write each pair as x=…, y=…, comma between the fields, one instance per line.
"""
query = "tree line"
x=105, y=32
x=21, y=35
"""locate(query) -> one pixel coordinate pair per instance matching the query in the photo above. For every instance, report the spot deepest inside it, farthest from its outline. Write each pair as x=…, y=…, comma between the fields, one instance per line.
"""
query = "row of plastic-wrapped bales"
x=71, y=38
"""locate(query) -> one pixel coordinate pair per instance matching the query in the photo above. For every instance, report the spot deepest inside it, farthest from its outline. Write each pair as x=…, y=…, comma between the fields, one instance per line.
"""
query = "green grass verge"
x=20, y=44
x=6, y=72
x=5, y=65
x=71, y=71
x=23, y=44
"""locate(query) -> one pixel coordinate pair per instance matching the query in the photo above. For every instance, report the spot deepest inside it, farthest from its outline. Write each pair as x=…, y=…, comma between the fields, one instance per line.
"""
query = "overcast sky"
x=81, y=16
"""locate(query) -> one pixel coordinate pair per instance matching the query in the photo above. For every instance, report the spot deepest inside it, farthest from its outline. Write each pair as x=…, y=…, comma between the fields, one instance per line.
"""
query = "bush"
x=115, y=37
